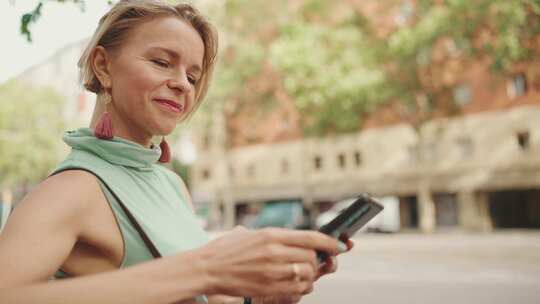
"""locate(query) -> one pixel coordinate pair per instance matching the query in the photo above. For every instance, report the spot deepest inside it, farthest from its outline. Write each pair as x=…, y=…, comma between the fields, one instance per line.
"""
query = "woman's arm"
x=43, y=228
x=159, y=281
x=41, y=233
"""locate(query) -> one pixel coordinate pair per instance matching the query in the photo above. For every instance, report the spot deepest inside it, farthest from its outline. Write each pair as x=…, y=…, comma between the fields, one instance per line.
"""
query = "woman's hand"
x=330, y=266
x=268, y=262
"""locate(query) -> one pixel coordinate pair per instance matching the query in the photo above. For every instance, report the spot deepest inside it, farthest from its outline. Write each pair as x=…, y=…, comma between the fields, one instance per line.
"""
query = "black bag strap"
x=151, y=247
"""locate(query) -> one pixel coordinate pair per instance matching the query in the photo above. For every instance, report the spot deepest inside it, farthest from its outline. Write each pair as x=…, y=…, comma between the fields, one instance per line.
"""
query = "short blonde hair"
x=115, y=26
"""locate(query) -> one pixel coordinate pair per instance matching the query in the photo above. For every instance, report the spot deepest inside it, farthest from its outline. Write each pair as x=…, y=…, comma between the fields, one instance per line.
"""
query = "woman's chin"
x=164, y=129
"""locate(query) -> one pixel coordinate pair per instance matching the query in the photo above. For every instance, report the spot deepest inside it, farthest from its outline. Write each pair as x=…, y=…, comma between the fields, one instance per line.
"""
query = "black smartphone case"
x=348, y=222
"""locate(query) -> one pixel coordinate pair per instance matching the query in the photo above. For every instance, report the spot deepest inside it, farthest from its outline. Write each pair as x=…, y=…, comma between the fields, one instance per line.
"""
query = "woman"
x=109, y=205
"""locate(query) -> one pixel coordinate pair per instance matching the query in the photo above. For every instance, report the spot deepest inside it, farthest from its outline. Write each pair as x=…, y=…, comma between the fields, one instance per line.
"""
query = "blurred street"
x=503, y=267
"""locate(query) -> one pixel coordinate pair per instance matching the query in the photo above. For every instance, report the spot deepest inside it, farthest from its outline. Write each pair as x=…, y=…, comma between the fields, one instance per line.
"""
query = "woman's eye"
x=161, y=63
x=192, y=80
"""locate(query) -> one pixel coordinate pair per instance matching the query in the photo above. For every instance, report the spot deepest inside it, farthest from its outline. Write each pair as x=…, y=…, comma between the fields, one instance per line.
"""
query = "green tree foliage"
x=30, y=128
x=322, y=66
x=328, y=74
x=244, y=48
x=337, y=69
x=498, y=31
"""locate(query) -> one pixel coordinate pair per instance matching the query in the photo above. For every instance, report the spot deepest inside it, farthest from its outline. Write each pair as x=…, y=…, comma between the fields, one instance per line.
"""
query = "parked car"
x=286, y=214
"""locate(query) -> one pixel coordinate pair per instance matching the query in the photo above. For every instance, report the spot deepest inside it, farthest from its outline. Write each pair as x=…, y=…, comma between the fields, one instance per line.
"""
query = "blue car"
x=285, y=214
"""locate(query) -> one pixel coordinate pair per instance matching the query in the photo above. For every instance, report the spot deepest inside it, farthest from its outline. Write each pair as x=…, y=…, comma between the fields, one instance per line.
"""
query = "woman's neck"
x=131, y=133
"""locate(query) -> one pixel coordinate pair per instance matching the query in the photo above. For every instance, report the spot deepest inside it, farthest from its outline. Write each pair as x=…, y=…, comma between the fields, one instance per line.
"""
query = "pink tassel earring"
x=104, y=128
x=165, y=152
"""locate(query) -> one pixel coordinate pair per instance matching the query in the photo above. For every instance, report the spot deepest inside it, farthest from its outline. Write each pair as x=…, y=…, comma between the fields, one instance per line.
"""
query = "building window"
x=341, y=160
x=358, y=158
x=462, y=94
x=523, y=139
x=465, y=146
x=284, y=166
x=317, y=162
x=206, y=174
x=517, y=86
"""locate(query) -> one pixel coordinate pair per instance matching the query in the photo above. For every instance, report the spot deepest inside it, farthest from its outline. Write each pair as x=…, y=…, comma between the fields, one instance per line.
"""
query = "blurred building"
x=479, y=170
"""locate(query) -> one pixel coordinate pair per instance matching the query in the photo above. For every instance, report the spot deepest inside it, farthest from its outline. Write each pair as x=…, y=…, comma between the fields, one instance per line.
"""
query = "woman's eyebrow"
x=175, y=55
x=169, y=52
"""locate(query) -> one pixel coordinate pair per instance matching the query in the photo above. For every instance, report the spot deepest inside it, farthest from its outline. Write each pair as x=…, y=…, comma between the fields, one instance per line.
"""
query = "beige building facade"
x=465, y=172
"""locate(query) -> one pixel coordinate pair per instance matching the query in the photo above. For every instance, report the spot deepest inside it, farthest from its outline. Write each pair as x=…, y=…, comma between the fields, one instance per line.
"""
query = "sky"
x=59, y=25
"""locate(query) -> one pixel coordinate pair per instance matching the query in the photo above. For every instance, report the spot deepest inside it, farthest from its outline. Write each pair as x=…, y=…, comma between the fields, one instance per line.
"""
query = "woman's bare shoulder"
x=78, y=178
x=72, y=190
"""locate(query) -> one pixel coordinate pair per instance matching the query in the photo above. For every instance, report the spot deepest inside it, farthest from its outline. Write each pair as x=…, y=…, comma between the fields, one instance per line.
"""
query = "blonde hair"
x=115, y=26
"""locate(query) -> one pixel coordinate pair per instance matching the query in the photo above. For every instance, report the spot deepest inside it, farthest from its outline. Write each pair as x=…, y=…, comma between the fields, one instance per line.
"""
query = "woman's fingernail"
x=334, y=264
x=342, y=247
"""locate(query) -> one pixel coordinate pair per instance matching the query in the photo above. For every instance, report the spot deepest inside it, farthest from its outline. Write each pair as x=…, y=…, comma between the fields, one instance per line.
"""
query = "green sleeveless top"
x=150, y=191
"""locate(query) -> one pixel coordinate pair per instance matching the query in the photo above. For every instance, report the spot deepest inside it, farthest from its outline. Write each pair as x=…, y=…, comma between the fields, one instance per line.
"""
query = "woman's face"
x=153, y=76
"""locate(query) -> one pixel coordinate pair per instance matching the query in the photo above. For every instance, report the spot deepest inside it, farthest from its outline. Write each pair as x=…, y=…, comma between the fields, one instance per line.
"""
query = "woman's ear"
x=101, y=66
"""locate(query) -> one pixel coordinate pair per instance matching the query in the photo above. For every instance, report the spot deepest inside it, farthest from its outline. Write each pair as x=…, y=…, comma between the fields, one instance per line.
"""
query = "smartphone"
x=350, y=220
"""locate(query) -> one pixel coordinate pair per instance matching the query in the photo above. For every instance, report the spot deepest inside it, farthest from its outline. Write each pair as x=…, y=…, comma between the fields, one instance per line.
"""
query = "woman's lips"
x=170, y=105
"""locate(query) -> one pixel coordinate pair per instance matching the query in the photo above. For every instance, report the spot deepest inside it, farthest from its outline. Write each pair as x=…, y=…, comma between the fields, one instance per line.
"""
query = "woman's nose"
x=180, y=83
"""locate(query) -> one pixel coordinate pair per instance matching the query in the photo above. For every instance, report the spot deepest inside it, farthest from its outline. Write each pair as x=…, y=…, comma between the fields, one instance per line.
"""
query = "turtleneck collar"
x=117, y=150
